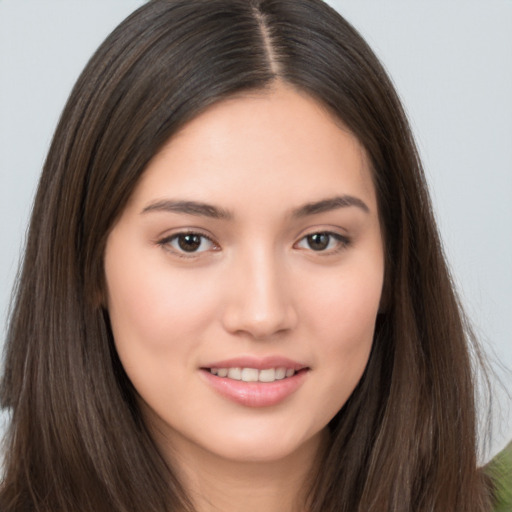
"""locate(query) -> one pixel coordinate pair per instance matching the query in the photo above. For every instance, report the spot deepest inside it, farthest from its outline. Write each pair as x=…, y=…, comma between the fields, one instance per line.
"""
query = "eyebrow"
x=190, y=208
x=201, y=209
x=326, y=205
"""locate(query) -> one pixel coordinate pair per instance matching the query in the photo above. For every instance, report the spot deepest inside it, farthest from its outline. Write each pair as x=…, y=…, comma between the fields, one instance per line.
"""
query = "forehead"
x=278, y=146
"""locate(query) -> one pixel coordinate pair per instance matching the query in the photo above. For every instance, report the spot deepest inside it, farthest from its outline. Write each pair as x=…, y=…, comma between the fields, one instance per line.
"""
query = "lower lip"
x=256, y=394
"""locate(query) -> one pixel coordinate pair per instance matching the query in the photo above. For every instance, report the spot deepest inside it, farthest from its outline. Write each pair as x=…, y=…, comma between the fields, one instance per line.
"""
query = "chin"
x=263, y=447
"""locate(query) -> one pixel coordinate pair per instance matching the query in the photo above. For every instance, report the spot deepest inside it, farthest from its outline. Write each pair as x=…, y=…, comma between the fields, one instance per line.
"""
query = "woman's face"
x=251, y=249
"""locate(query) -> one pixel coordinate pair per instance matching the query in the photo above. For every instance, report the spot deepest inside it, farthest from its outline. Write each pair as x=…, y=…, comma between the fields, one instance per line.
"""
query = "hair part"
x=406, y=438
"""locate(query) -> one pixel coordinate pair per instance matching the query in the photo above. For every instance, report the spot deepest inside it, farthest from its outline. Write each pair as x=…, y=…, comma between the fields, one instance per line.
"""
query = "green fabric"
x=500, y=471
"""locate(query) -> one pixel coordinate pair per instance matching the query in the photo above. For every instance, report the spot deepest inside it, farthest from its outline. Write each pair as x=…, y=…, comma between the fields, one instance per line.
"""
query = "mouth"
x=252, y=387
x=254, y=374
x=256, y=382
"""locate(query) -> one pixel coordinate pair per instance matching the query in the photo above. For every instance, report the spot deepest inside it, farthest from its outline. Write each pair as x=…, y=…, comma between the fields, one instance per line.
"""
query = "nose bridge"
x=260, y=303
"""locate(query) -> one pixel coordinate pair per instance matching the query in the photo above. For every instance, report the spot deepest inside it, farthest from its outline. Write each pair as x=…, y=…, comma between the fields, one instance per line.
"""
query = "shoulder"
x=500, y=472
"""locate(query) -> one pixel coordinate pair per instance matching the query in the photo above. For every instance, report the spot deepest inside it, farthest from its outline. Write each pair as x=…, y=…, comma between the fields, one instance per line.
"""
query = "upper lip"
x=259, y=363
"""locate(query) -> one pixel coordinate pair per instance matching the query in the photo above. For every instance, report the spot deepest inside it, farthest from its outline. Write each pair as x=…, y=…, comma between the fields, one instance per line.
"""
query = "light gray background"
x=451, y=61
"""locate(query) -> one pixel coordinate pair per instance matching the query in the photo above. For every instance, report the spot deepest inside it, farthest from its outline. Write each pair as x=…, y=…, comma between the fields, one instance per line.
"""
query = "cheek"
x=342, y=316
x=155, y=311
x=345, y=309
x=159, y=319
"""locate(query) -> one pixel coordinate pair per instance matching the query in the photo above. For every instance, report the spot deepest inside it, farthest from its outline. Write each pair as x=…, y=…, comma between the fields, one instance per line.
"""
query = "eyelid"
x=165, y=241
x=343, y=241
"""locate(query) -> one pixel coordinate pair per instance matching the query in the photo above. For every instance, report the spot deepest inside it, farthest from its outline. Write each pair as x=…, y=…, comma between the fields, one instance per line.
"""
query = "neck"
x=220, y=485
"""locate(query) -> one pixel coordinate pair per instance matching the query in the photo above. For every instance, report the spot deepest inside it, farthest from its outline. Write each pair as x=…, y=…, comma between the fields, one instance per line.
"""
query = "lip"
x=256, y=394
x=259, y=363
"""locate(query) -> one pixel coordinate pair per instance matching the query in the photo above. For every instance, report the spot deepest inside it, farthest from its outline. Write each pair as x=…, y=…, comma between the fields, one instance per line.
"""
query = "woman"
x=234, y=294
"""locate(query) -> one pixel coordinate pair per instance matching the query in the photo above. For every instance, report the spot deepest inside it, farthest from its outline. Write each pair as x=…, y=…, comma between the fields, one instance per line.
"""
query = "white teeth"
x=250, y=375
x=254, y=375
x=267, y=375
x=280, y=373
x=235, y=373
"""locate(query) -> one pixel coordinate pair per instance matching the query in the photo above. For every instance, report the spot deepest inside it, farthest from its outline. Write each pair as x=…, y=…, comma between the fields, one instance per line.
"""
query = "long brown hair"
x=406, y=438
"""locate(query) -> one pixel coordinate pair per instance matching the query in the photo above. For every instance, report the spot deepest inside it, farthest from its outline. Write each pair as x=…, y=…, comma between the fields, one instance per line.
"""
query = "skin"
x=257, y=286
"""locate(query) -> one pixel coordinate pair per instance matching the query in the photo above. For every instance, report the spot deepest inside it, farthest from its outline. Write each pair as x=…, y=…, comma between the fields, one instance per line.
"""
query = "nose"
x=259, y=303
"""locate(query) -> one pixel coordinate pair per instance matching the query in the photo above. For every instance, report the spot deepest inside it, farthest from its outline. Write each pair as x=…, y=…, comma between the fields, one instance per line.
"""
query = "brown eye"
x=189, y=243
x=318, y=241
x=323, y=241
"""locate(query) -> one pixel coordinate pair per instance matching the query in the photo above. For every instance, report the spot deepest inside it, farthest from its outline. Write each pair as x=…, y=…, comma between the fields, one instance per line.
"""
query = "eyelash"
x=181, y=253
x=342, y=243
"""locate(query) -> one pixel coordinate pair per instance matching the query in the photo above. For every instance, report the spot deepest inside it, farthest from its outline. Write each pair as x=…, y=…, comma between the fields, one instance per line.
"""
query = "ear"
x=98, y=293
x=385, y=297
x=101, y=296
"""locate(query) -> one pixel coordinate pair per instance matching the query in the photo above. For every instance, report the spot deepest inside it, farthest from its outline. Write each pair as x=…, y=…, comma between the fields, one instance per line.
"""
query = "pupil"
x=318, y=241
x=189, y=243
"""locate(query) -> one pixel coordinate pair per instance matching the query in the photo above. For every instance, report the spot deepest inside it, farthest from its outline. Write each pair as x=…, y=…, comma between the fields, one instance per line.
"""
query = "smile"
x=253, y=374
x=255, y=382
